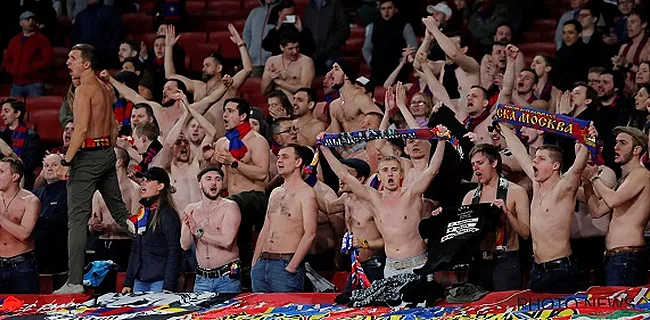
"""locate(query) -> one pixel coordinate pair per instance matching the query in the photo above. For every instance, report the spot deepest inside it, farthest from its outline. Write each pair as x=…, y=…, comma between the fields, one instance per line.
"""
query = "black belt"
x=555, y=264
x=217, y=272
x=277, y=256
x=487, y=255
x=95, y=148
x=5, y=262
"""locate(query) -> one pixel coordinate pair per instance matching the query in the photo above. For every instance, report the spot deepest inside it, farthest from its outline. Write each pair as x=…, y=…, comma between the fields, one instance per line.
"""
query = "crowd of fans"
x=223, y=187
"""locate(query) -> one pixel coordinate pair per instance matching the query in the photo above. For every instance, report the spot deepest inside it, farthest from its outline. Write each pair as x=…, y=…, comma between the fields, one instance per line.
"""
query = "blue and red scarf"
x=237, y=147
x=547, y=91
x=18, y=137
x=471, y=123
x=122, y=110
x=358, y=277
x=154, y=147
x=141, y=219
x=531, y=99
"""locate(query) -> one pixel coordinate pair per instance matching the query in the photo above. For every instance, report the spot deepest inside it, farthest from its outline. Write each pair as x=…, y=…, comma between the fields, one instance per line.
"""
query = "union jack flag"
x=358, y=278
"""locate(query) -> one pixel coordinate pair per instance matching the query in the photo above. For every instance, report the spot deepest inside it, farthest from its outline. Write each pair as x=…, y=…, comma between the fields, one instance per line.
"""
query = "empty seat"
x=137, y=23
x=45, y=122
x=226, y=6
x=531, y=49
x=544, y=25
x=195, y=6
x=197, y=53
x=44, y=103
x=252, y=86
x=358, y=32
x=228, y=49
x=222, y=24
x=188, y=39
x=380, y=92
x=147, y=6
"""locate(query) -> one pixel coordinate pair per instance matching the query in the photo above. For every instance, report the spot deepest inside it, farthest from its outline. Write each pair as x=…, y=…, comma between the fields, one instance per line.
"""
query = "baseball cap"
x=155, y=174
x=637, y=135
x=27, y=15
x=442, y=7
x=362, y=167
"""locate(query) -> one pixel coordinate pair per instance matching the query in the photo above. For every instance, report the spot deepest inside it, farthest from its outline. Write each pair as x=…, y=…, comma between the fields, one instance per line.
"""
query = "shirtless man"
x=17, y=221
x=467, y=73
x=626, y=257
x=397, y=210
x=498, y=269
x=212, y=75
x=304, y=101
x=114, y=242
x=554, y=270
x=247, y=173
x=91, y=159
x=290, y=70
x=212, y=225
x=360, y=221
x=289, y=227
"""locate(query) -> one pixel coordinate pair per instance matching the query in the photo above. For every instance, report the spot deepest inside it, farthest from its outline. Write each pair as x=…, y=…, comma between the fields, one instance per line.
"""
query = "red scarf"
x=471, y=123
x=546, y=91
x=18, y=139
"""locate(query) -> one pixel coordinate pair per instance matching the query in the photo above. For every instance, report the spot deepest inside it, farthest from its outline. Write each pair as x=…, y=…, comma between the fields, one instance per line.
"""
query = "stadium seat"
x=358, y=32
x=147, y=6
x=249, y=5
x=45, y=122
x=533, y=48
x=380, y=92
x=188, y=39
x=148, y=38
x=544, y=25
x=44, y=103
x=60, y=56
x=195, y=7
x=228, y=49
x=137, y=23
x=257, y=100
x=225, y=6
x=197, y=53
x=56, y=89
x=252, y=86
x=352, y=47
x=222, y=24
x=5, y=90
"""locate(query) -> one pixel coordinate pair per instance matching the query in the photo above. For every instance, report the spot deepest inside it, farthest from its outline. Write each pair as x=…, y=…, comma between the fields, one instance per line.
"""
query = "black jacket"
x=156, y=255
x=31, y=155
x=329, y=27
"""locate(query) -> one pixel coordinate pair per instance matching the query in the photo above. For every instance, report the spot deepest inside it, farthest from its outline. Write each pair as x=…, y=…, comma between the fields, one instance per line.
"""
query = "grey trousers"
x=90, y=170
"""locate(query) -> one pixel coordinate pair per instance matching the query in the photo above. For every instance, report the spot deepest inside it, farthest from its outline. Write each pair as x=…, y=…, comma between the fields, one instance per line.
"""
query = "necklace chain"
x=10, y=201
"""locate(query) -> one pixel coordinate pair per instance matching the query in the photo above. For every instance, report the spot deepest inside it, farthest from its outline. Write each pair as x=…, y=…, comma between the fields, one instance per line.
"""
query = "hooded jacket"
x=255, y=30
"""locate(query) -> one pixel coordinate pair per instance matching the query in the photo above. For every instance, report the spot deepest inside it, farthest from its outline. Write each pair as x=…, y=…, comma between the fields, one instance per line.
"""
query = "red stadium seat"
x=45, y=122
x=352, y=47
x=188, y=39
x=197, y=53
x=147, y=6
x=358, y=32
x=380, y=92
x=225, y=6
x=56, y=89
x=250, y=4
x=257, y=100
x=137, y=23
x=251, y=87
x=60, y=56
x=195, y=7
x=531, y=49
x=148, y=38
x=222, y=24
x=5, y=90
x=228, y=49
x=544, y=25
x=44, y=103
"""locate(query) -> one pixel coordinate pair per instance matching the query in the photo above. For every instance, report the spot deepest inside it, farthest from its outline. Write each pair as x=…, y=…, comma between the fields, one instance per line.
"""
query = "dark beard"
x=206, y=76
x=169, y=103
x=211, y=197
x=337, y=86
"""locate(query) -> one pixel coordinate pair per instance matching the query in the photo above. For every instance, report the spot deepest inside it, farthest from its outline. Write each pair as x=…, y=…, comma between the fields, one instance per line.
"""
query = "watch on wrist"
x=234, y=164
x=65, y=163
x=199, y=233
x=365, y=244
x=594, y=178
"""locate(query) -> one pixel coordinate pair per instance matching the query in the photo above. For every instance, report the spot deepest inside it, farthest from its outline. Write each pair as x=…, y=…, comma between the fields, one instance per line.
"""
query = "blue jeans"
x=223, y=284
x=36, y=89
x=271, y=276
x=501, y=273
x=558, y=276
x=19, y=274
x=141, y=286
x=626, y=269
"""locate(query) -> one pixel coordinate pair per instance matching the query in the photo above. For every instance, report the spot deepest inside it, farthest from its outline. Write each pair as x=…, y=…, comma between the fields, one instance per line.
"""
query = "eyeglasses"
x=293, y=128
x=418, y=103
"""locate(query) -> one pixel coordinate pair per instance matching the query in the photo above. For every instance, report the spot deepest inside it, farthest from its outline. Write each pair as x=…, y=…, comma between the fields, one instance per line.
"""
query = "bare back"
x=23, y=211
x=101, y=108
x=630, y=218
x=285, y=220
x=551, y=211
x=360, y=220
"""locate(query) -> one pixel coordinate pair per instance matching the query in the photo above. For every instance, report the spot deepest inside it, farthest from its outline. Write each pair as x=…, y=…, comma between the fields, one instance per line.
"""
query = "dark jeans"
x=589, y=253
x=118, y=251
x=35, y=89
x=271, y=276
x=91, y=170
x=373, y=268
x=558, y=276
x=626, y=269
x=501, y=273
x=19, y=274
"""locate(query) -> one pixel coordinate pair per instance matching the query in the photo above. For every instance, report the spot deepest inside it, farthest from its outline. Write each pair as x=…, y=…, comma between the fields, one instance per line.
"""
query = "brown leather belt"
x=277, y=256
x=627, y=249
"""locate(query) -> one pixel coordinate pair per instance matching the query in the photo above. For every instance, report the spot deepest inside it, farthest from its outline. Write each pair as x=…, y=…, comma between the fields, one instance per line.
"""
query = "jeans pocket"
x=25, y=266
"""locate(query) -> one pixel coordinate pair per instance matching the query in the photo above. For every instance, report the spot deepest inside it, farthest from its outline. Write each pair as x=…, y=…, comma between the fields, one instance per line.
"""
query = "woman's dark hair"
x=165, y=199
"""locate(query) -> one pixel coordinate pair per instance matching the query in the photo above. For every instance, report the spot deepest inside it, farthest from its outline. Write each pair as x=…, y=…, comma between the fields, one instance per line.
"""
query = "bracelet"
x=241, y=45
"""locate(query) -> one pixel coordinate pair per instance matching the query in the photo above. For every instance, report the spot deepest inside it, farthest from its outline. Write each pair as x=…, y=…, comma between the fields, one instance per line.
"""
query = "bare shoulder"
x=259, y=141
x=222, y=142
x=305, y=193
x=192, y=206
x=468, y=197
x=518, y=192
x=29, y=197
x=274, y=59
x=230, y=204
x=305, y=60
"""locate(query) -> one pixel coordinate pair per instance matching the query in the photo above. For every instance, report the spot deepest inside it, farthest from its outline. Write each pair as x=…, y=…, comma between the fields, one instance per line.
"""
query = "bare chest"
x=282, y=206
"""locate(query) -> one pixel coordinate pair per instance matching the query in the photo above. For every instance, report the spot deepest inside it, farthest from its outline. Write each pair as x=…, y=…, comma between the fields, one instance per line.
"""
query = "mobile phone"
x=290, y=19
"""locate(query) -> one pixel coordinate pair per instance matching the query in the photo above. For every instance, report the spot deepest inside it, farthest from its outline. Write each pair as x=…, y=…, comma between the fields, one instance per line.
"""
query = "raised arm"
x=572, y=176
x=309, y=208
x=210, y=130
x=203, y=105
x=509, y=75
x=400, y=100
x=518, y=151
x=424, y=180
x=126, y=92
x=247, y=63
x=453, y=51
x=407, y=54
x=437, y=89
x=355, y=185
x=23, y=230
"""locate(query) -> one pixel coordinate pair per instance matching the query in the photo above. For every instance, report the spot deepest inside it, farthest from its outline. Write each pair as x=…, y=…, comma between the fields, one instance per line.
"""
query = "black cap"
x=156, y=174
x=347, y=69
x=362, y=167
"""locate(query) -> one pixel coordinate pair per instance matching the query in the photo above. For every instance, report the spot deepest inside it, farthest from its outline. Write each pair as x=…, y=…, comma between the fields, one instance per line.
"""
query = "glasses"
x=418, y=103
x=293, y=128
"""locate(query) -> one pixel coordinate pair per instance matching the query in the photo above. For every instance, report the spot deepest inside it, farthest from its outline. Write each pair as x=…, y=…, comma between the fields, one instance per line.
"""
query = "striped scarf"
x=471, y=123
x=141, y=219
x=18, y=137
x=358, y=277
x=237, y=147
x=122, y=110
x=154, y=147
x=546, y=91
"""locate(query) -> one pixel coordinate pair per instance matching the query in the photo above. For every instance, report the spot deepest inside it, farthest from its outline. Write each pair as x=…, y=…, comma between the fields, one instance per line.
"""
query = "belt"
x=555, y=264
x=219, y=272
x=96, y=143
x=627, y=249
x=277, y=256
x=408, y=262
x=487, y=255
x=5, y=262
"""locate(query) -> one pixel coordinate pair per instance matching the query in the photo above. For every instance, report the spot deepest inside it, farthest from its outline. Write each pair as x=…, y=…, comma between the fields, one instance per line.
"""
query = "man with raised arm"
x=91, y=160
x=212, y=225
x=289, y=227
x=397, y=210
x=498, y=269
x=244, y=155
x=20, y=211
x=626, y=256
x=290, y=70
x=555, y=270
x=212, y=75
